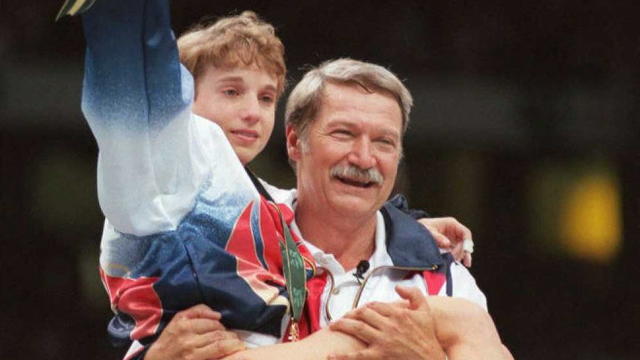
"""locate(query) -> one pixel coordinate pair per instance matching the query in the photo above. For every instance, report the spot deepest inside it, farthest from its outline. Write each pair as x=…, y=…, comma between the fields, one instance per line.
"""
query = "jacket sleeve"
x=137, y=100
x=465, y=286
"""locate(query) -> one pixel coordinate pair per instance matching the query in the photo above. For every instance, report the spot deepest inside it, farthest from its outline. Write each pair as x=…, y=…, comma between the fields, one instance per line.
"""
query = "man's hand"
x=451, y=235
x=393, y=331
x=195, y=334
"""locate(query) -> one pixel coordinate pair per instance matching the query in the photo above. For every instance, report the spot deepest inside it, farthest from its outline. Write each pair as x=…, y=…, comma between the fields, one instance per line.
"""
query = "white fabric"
x=381, y=286
x=210, y=154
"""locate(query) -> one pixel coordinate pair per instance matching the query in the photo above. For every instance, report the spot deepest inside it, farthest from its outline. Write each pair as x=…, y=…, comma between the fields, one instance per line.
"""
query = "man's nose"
x=361, y=154
x=250, y=112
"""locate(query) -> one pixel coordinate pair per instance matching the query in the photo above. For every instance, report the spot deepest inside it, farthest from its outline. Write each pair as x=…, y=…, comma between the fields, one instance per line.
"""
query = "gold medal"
x=294, y=334
x=295, y=277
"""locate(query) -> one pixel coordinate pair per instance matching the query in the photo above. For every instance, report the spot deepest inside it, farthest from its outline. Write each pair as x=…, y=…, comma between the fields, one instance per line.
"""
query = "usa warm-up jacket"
x=187, y=224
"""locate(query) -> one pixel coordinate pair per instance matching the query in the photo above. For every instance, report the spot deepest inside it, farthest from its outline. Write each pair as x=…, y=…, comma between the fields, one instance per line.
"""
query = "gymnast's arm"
x=137, y=101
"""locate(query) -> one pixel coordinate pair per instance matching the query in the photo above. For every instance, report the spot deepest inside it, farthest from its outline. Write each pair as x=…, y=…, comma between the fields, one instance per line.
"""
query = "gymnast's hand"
x=451, y=235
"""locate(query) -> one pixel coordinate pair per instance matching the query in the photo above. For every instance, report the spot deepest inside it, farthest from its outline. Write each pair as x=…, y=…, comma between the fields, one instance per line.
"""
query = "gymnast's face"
x=242, y=101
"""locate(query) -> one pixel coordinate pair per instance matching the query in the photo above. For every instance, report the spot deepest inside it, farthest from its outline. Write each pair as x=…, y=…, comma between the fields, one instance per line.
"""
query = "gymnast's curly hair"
x=234, y=41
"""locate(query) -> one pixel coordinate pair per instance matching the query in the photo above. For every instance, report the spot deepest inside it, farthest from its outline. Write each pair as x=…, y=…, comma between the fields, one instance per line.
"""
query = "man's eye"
x=387, y=142
x=230, y=92
x=342, y=133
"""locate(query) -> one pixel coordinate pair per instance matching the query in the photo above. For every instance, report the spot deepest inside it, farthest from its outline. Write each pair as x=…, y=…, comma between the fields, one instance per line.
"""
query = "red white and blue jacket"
x=185, y=223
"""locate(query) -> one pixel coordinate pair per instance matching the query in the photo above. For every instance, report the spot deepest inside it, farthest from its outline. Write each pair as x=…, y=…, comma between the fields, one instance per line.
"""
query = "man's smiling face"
x=348, y=159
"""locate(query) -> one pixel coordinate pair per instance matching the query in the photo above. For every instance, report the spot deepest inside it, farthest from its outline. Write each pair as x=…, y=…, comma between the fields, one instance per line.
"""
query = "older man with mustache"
x=345, y=122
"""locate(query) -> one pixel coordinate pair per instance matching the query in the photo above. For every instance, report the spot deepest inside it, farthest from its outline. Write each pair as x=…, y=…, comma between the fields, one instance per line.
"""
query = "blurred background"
x=526, y=128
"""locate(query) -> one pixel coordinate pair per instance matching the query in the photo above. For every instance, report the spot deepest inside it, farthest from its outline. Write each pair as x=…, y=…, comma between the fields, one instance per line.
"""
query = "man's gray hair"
x=305, y=99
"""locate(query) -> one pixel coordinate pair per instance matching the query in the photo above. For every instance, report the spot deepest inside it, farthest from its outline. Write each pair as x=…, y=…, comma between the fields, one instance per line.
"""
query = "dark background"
x=525, y=128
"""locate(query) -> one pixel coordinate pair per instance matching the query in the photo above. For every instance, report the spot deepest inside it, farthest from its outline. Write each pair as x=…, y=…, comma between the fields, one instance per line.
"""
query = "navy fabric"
x=408, y=242
x=401, y=203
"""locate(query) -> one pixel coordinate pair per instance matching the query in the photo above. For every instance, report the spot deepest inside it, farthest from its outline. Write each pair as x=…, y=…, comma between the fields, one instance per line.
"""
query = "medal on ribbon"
x=295, y=277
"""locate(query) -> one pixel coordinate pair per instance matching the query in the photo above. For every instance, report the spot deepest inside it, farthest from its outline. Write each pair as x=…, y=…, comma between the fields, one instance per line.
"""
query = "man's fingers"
x=211, y=337
x=203, y=326
x=388, y=309
x=221, y=348
x=417, y=301
x=372, y=317
x=200, y=311
x=382, y=308
x=356, y=328
x=185, y=325
x=220, y=335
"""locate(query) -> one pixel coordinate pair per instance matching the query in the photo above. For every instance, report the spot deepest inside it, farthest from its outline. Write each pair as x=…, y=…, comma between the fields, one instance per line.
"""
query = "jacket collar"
x=409, y=244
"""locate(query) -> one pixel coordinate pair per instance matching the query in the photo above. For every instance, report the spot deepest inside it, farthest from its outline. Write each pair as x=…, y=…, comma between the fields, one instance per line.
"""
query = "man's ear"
x=293, y=143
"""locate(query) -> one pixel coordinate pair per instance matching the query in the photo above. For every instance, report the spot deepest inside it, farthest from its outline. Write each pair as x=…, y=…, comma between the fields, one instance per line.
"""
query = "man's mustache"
x=354, y=173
